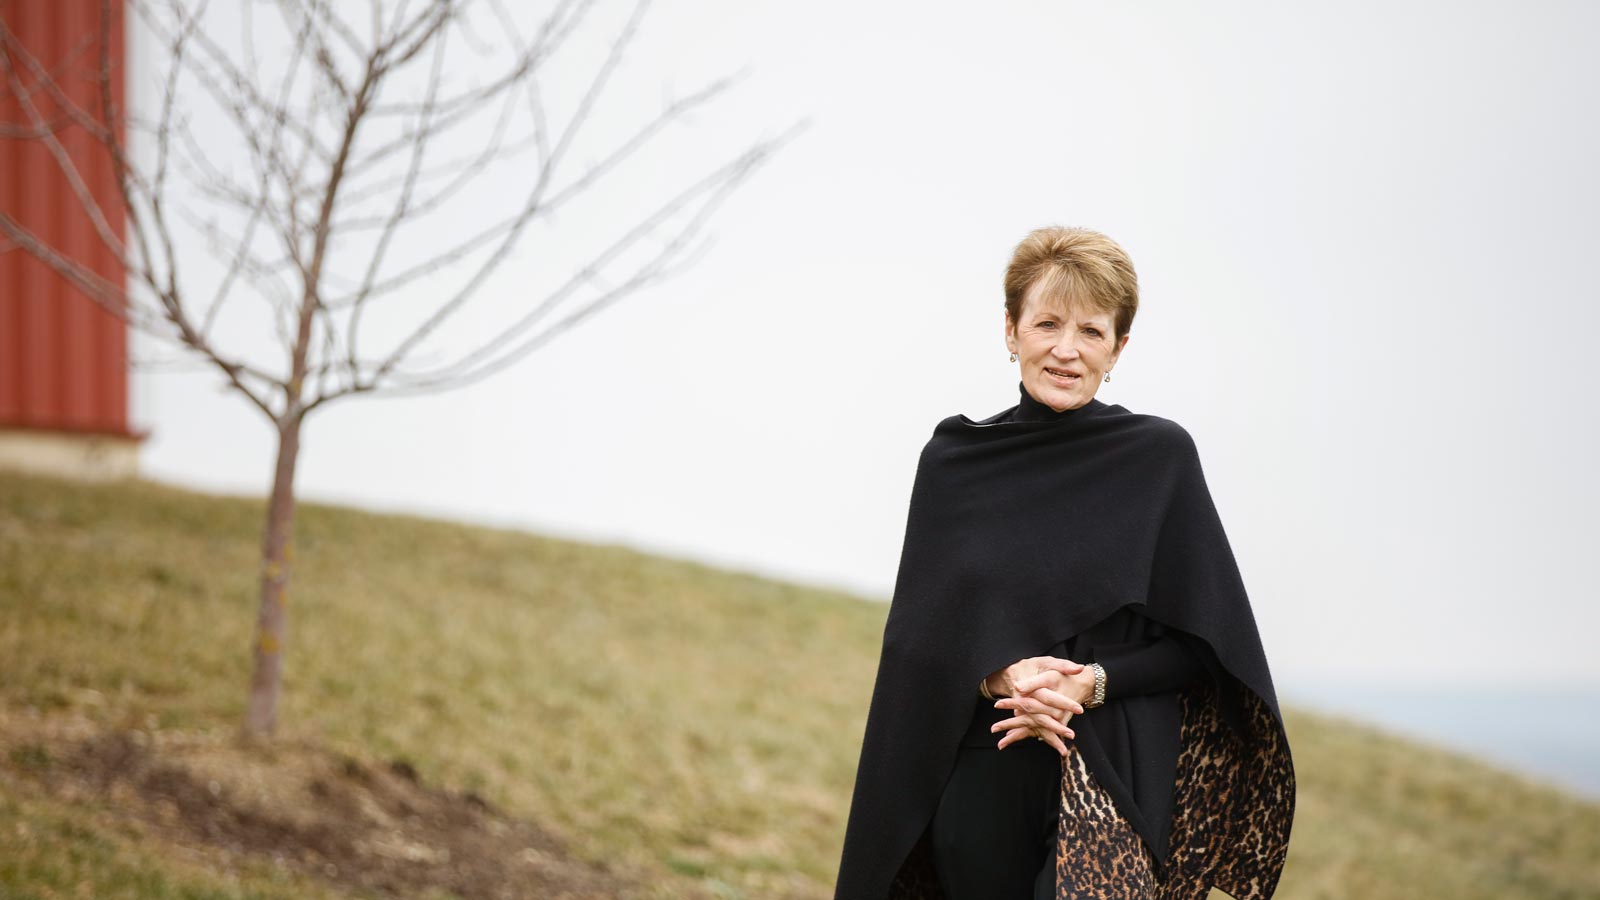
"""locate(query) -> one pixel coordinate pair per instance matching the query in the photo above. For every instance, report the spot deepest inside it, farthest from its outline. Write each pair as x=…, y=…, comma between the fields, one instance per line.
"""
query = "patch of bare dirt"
x=372, y=826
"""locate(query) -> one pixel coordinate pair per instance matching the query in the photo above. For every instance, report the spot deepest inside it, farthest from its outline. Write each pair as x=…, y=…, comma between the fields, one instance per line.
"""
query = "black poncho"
x=1026, y=532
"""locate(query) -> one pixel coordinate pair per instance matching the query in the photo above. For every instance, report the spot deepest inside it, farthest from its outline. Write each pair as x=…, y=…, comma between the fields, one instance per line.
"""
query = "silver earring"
x=1013, y=357
x=1108, y=376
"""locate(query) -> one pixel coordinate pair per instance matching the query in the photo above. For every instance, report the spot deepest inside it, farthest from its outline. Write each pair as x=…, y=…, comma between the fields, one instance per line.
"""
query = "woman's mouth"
x=1061, y=376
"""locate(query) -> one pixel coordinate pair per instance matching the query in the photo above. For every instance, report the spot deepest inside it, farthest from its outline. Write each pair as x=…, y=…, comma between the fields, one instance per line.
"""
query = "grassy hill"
x=473, y=712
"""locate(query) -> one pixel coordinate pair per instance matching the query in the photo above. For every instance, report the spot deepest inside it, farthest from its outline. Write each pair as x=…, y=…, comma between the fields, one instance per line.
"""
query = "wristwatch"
x=1099, y=697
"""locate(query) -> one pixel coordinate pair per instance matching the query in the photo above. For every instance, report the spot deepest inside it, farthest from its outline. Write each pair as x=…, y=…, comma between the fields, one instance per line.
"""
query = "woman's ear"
x=1011, y=333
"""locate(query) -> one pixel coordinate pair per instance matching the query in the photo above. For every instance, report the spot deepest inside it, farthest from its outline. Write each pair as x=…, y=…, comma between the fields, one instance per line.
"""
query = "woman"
x=1072, y=699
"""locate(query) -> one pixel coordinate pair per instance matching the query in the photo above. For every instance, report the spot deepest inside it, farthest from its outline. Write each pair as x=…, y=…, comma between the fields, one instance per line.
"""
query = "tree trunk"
x=266, y=682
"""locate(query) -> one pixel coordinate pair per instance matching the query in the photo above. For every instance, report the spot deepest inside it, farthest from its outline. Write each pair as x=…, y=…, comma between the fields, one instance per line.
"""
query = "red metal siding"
x=63, y=359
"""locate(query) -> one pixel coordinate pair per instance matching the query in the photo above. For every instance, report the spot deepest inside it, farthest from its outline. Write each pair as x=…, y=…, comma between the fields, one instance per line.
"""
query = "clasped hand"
x=1045, y=692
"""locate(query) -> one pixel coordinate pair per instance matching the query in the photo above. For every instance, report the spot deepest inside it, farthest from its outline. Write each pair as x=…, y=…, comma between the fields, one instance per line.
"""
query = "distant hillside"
x=473, y=712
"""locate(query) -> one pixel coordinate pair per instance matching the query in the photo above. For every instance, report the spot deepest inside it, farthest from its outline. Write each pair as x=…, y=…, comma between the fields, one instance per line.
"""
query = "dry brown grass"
x=692, y=729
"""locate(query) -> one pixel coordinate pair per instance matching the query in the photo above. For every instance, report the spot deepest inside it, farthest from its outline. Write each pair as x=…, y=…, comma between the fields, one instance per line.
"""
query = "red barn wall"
x=63, y=359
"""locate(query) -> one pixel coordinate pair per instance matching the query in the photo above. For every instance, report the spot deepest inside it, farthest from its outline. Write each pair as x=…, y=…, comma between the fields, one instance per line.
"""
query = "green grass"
x=698, y=725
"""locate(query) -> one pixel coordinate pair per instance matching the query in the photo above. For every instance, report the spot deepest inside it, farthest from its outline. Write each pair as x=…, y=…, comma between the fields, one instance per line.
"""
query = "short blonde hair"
x=1074, y=264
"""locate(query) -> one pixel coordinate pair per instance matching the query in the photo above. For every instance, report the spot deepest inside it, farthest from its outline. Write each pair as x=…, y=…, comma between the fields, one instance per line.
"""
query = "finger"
x=1033, y=704
x=1035, y=723
x=1019, y=722
x=1055, y=742
x=1058, y=700
x=1040, y=718
x=1019, y=703
x=1055, y=726
x=1011, y=737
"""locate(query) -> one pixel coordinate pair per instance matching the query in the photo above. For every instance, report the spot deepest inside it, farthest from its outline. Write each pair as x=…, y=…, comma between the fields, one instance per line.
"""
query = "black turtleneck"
x=1031, y=410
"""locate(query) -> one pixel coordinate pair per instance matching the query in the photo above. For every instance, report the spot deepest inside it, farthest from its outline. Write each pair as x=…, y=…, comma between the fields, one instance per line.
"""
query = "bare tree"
x=358, y=138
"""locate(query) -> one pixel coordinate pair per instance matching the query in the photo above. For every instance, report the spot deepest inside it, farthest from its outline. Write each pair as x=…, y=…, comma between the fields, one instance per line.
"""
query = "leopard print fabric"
x=1098, y=854
x=1233, y=802
x=1233, y=807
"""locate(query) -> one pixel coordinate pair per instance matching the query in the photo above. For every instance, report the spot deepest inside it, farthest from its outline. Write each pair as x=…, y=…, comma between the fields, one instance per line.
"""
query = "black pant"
x=994, y=833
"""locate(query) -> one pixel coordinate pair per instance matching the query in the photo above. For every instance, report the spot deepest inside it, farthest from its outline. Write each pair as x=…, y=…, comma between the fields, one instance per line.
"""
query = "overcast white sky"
x=1365, y=235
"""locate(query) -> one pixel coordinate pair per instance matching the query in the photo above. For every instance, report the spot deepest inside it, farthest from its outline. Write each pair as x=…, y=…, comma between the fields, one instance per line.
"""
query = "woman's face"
x=1063, y=352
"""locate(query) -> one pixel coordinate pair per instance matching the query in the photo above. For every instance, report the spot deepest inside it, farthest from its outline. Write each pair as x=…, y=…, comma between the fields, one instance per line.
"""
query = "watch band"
x=1099, y=697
